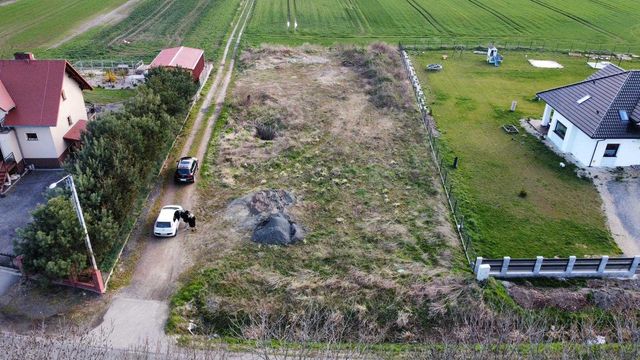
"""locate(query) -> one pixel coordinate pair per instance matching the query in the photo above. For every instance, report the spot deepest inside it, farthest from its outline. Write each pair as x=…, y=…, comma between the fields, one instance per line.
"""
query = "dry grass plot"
x=348, y=146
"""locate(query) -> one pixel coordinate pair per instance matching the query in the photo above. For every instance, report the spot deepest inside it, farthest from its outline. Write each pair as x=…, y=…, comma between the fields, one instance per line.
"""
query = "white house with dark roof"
x=597, y=120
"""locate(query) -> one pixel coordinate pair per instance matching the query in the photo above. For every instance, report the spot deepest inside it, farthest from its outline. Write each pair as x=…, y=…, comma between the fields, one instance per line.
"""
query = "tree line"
x=117, y=162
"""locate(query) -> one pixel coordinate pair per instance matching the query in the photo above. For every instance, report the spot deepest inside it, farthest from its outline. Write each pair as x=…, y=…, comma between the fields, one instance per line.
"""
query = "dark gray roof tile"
x=611, y=89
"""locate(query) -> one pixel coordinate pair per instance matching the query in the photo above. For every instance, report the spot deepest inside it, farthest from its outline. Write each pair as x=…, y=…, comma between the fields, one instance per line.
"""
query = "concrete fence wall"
x=556, y=268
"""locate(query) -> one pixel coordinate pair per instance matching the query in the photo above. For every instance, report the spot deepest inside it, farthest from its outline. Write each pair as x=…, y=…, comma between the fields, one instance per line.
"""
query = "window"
x=69, y=120
x=32, y=137
x=624, y=116
x=560, y=130
x=64, y=96
x=583, y=99
x=611, y=150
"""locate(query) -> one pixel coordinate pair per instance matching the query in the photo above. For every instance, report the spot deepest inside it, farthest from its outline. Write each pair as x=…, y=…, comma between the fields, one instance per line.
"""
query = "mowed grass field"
x=29, y=24
x=561, y=213
x=607, y=23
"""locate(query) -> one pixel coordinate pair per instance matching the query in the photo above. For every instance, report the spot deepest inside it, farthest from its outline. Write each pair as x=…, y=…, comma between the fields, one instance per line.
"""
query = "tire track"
x=289, y=24
x=428, y=17
x=145, y=24
x=295, y=16
x=353, y=17
x=575, y=18
x=182, y=28
x=606, y=5
x=360, y=15
x=208, y=101
x=500, y=16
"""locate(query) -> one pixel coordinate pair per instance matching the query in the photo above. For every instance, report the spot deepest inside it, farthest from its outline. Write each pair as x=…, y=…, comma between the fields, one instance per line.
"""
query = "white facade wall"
x=9, y=144
x=628, y=153
x=44, y=148
x=582, y=147
x=74, y=107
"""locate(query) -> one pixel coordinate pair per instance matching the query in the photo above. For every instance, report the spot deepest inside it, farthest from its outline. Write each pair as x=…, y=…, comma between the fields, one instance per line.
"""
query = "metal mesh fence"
x=439, y=161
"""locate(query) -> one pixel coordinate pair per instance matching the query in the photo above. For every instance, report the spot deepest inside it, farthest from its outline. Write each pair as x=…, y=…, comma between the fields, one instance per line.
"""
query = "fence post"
x=569, y=269
x=634, y=265
x=505, y=265
x=538, y=265
x=477, y=264
x=603, y=264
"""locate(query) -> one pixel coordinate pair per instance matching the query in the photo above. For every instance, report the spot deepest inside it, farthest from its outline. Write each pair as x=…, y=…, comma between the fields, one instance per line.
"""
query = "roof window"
x=583, y=99
x=624, y=116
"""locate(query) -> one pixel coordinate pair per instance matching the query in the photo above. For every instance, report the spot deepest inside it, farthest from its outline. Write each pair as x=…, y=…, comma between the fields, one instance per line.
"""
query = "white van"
x=165, y=224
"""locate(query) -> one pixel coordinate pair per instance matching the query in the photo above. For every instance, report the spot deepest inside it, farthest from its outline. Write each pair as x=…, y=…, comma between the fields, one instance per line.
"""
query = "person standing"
x=192, y=222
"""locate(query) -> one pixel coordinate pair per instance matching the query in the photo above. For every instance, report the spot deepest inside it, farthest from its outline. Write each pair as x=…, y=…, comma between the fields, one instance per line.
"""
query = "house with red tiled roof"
x=42, y=112
x=597, y=120
x=181, y=57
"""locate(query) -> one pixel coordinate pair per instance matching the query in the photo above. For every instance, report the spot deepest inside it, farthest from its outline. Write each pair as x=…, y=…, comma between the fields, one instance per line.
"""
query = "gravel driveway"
x=621, y=199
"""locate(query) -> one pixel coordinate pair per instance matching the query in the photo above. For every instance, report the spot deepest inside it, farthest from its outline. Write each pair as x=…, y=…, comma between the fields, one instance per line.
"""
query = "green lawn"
x=30, y=24
x=572, y=23
x=108, y=96
x=560, y=214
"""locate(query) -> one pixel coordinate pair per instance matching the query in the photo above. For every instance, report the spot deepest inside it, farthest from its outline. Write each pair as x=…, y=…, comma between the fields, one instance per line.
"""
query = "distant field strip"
x=137, y=28
x=503, y=18
x=428, y=17
x=353, y=10
x=29, y=24
x=575, y=18
x=607, y=5
x=603, y=23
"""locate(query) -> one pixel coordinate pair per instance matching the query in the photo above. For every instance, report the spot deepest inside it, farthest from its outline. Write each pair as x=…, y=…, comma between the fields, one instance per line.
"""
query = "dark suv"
x=186, y=170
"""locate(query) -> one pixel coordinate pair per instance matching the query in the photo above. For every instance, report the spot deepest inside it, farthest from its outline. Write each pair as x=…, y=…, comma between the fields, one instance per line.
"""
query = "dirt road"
x=138, y=312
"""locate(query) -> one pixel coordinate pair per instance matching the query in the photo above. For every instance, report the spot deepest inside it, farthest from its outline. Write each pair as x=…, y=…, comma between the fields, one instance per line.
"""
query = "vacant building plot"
x=30, y=24
x=574, y=22
x=518, y=199
x=328, y=146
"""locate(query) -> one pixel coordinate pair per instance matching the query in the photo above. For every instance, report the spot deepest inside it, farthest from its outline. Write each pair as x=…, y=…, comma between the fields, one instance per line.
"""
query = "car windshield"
x=163, y=224
x=183, y=171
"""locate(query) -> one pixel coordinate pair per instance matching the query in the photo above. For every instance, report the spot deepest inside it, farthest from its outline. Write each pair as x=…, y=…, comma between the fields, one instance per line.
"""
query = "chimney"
x=24, y=56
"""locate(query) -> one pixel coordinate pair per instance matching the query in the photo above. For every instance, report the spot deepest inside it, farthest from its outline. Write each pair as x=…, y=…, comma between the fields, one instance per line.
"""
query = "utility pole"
x=97, y=276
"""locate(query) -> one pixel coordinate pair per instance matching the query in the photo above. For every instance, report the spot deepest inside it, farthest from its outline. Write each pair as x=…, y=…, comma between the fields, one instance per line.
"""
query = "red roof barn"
x=181, y=57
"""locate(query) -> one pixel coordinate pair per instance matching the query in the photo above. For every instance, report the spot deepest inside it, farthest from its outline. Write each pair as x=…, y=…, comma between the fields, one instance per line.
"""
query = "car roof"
x=166, y=214
x=186, y=162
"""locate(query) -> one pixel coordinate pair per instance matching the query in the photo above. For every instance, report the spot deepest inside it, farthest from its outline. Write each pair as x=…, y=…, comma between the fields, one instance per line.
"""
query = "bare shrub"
x=265, y=132
x=381, y=66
